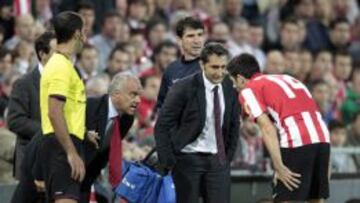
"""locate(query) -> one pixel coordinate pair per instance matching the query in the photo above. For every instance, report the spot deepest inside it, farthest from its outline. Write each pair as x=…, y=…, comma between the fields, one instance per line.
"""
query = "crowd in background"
x=316, y=41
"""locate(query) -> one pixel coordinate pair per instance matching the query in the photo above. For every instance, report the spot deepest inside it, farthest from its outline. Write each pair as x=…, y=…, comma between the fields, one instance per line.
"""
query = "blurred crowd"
x=316, y=41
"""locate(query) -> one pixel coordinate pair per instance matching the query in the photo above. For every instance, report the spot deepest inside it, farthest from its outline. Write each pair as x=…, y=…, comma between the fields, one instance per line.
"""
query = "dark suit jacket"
x=182, y=118
x=96, y=119
x=24, y=112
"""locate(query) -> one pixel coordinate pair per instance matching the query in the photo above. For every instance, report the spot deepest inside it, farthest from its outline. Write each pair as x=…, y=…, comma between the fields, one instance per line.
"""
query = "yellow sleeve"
x=59, y=81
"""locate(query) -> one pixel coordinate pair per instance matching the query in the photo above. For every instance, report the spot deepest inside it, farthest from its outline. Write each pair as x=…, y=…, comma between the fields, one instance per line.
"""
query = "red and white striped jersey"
x=290, y=104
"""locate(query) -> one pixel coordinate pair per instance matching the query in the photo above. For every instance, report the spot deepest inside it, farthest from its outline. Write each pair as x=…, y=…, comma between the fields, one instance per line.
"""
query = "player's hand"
x=287, y=177
x=77, y=166
x=93, y=137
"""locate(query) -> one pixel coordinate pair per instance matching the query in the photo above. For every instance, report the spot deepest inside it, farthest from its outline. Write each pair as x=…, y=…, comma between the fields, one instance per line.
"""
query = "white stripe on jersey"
x=310, y=127
x=323, y=127
x=283, y=86
x=283, y=136
x=252, y=102
x=294, y=131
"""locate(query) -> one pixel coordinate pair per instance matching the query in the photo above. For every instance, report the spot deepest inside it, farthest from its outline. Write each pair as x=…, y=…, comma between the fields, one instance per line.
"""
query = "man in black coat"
x=197, y=130
x=121, y=103
x=24, y=114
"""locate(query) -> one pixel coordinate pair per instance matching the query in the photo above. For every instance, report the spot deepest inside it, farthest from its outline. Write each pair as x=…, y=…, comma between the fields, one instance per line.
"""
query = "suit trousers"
x=201, y=175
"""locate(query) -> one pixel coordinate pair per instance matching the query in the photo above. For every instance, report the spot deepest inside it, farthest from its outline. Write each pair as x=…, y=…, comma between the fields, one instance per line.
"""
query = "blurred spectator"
x=323, y=65
x=240, y=34
x=142, y=62
x=119, y=61
x=151, y=85
x=346, y=9
x=43, y=12
x=306, y=59
x=107, y=39
x=304, y=9
x=24, y=30
x=87, y=11
x=351, y=104
x=320, y=91
x=24, y=57
x=7, y=21
x=256, y=38
x=354, y=137
x=355, y=43
x=232, y=10
x=342, y=71
x=7, y=148
x=275, y=63
x=292, y=63
x=340, y=162
x=250, y=153
x=97, y=86
x=289, y=36
x=339, y=35
x=165, y=53
x=2, y=35
x=220, y=32
x=156, y=31
x=317, y=30
x=6, y=62
x=87, y=62
x=6, y=88
x=137, y=14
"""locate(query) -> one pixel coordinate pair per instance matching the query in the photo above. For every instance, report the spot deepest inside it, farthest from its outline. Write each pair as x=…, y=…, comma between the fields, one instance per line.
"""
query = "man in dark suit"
x=197, y=130
x=24, y=112
x=101, y=113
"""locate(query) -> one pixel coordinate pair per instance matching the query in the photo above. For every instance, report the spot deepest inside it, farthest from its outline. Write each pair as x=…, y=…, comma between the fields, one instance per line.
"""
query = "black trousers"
x=201, y=175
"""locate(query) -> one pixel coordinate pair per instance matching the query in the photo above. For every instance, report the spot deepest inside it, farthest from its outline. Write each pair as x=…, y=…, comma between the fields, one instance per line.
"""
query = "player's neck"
x=65, y=49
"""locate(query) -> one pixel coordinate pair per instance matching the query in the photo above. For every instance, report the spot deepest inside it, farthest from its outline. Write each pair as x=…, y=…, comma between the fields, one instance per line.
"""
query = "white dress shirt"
x=206, y=142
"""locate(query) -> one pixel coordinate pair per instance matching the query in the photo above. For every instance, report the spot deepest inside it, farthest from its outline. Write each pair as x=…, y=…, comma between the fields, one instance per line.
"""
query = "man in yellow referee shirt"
x=63, y=103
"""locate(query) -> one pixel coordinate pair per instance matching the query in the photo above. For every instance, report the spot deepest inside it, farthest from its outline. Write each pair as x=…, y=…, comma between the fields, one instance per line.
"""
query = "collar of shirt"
x=209, y=86
x=112, y=110
x=41, y=68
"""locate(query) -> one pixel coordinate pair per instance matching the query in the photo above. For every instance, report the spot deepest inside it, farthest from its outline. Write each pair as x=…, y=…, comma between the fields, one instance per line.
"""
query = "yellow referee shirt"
x=61, y=79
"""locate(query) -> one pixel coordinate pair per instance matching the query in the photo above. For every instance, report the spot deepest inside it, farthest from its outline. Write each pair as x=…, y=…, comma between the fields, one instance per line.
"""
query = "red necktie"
x=218, y=130
x=115, y=155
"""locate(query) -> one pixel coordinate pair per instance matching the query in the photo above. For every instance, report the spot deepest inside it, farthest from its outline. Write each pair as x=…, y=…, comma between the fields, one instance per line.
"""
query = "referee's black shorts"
x=57, y=171
x=312, y=162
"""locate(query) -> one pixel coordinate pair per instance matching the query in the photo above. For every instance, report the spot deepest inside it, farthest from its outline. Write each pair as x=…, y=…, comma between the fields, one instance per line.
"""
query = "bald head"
x=24, y=27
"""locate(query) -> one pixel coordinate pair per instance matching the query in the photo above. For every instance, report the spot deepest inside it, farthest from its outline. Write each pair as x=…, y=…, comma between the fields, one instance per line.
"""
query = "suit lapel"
x=200, y=88
x=103, y=111
x=227, y=98
x=36, y=78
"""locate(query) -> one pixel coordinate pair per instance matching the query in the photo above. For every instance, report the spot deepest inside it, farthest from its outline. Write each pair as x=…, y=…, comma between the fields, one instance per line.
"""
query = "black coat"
x=182, y=118
x=24, y=112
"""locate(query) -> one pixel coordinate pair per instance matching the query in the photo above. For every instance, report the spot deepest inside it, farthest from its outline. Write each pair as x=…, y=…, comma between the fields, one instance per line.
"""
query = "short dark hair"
x=164, y=44
x=118, y=47
x=211, y=49
x=188, y=22
x=112, y=14
x=336, y=124
x=66, y=24
x=42, y=43
x=337, y=21
x=245, y=65
x=4, y=52
x=315, y=83
x=85, y=5
x=290, y=20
